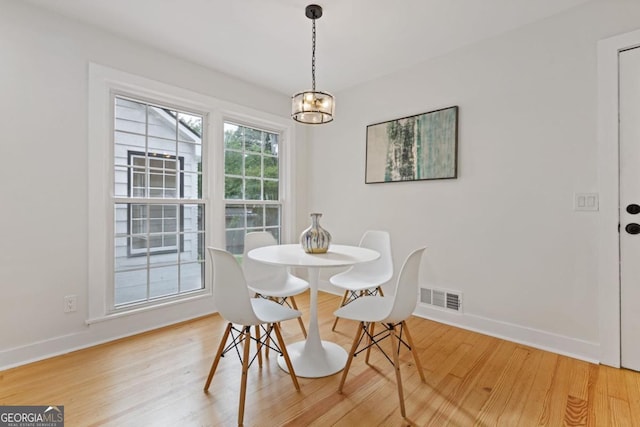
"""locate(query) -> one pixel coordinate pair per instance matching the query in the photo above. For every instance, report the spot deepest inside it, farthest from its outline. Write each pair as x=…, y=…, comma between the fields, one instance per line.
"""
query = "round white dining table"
x=313, y=357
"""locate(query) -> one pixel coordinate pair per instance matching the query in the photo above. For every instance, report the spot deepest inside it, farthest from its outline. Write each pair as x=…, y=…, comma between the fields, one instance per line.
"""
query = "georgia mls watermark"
x=32, y=416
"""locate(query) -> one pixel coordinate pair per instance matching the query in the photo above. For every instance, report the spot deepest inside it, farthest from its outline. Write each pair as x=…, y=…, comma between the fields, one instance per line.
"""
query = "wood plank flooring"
x=157, y=379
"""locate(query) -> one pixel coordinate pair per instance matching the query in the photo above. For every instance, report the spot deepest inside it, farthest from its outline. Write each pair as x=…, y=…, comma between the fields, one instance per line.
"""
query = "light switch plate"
x=585, y=202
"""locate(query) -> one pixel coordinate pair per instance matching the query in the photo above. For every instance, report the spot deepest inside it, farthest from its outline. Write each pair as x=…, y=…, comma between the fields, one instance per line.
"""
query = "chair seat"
x=272, y=312
x=366, y=309
x=292, y=286
x=356, y=281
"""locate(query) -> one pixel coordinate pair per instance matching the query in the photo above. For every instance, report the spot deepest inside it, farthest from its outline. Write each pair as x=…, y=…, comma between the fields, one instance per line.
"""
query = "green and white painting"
x=413, y=148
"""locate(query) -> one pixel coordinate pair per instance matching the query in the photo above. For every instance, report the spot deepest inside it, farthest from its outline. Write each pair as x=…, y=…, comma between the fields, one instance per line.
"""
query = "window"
x=251, y=183
x=160, y=221
x=158, y=208
x=154, y=203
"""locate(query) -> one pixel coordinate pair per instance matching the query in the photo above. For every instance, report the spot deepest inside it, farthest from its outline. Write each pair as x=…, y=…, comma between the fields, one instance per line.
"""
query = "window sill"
x=198, y=295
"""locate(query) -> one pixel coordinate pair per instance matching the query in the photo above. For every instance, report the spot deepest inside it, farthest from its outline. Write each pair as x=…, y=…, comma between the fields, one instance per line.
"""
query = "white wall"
x=505, y=232
x=43, y=179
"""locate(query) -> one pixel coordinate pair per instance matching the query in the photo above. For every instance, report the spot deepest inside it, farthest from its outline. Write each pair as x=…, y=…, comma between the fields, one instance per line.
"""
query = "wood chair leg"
x=369, y=341
x=258, y=345
x=344, y=299
x=414, y=351
x=300, y=322
x=380, y=291
x=267, y=339
x=285, y=354
x=216, y=359
x=257, y=327
x=245, y=370
x=352, y=352
x=396, y=366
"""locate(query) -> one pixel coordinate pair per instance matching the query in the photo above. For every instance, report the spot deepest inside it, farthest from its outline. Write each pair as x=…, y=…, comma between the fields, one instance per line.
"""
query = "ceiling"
x=268, y=42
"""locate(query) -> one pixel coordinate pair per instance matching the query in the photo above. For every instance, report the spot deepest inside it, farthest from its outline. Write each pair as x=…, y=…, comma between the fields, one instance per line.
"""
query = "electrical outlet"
x=70, y=303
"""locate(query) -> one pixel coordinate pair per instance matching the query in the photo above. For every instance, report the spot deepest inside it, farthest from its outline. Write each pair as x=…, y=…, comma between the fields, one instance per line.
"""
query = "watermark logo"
x=32, y=416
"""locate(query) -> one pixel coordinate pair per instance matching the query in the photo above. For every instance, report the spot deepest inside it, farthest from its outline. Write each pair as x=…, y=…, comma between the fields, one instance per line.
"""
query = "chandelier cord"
x=313, y=56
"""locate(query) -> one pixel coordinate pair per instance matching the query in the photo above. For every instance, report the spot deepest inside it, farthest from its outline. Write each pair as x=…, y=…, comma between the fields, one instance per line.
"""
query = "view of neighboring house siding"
x=168, y=234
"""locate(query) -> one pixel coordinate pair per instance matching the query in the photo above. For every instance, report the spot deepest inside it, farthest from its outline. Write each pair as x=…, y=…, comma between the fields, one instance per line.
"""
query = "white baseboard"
x=566, y=346
x=104, y=331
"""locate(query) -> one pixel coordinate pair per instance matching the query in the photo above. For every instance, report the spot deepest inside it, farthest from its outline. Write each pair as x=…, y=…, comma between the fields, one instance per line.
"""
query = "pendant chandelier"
x=311, y=106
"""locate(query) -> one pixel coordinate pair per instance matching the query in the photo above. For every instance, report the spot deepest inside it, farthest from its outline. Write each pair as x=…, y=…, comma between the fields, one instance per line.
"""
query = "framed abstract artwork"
x=420, y=147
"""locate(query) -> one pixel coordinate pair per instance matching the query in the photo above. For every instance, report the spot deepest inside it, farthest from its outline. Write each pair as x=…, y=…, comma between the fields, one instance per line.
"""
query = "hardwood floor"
x=157, y=379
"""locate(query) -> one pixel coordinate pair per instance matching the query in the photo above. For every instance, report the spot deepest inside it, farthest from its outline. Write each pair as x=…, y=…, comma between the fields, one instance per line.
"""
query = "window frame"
x=245, y=203
x=151, y=301
x=104, y=82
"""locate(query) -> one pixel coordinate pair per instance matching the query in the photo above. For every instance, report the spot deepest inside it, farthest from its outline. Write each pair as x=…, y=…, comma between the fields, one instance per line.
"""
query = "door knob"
x=633, y=209
x=633, y=228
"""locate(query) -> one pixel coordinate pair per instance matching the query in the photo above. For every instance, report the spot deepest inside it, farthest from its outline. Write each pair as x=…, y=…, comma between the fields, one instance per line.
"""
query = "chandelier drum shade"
x=313, y=107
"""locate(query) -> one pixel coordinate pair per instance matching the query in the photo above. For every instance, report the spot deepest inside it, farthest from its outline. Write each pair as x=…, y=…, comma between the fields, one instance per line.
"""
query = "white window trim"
x=103, y=83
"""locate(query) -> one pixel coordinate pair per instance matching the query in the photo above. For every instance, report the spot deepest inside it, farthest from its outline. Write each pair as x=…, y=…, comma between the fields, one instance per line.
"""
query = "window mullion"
x=244, y=167
x=147, y=175
x=147, y=193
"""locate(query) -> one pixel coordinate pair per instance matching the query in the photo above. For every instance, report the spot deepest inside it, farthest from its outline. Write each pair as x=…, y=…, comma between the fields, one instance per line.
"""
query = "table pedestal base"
x=328, y=360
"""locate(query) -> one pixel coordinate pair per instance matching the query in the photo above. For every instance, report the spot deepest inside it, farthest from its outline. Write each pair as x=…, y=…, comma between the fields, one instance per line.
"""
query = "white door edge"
x=608, y=174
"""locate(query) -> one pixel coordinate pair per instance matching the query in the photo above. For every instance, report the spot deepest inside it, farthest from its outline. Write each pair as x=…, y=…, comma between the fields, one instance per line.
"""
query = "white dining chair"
x=391, y=312
x=235, y=305
x=271, y=281
x=366, y=278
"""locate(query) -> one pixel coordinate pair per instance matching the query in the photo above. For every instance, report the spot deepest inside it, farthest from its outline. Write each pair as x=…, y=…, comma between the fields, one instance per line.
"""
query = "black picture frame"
x=413, y=148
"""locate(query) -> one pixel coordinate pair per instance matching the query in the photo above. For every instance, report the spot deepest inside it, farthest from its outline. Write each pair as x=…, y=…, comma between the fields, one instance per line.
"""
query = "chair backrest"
x=406, y=293
x=230, y=291
x=259, y=272
x=381, y=269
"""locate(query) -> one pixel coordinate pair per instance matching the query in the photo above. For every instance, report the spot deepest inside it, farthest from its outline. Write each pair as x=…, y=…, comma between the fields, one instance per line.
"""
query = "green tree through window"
x=252, y=183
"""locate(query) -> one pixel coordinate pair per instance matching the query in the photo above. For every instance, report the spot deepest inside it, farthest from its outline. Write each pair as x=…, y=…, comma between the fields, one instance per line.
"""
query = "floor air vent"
x=448, y=300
